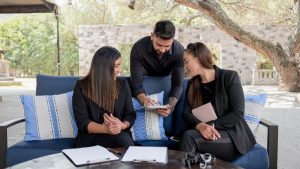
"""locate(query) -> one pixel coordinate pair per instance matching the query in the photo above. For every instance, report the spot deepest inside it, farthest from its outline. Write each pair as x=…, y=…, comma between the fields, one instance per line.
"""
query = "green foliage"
x=69, y=52
x=125, y=52
x=264, y=63
x=29, y=42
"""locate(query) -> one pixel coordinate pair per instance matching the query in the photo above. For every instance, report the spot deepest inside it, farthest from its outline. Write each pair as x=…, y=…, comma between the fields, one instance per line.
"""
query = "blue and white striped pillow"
x=254, y=105
x=49, y=117
x=148, y=125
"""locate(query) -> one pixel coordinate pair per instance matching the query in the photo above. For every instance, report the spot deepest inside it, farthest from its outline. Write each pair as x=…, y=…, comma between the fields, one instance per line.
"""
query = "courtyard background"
x=280, y=108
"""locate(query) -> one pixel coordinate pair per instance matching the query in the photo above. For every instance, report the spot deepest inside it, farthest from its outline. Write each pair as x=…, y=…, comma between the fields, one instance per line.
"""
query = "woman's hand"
x=110, y=118
x=208, y=131
x=106, y=118
x=114, y=125
x=114, y=128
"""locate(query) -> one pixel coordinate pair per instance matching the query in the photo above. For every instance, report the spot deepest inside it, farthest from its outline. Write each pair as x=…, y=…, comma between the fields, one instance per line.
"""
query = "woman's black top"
x=86, y=111
x=229, y=104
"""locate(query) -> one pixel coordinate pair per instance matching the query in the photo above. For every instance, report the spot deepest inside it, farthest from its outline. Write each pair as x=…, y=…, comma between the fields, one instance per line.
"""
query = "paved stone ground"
x=280, y=109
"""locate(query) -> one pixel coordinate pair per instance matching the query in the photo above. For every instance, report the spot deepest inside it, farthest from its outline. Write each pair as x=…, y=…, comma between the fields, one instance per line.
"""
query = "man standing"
x=158, y=55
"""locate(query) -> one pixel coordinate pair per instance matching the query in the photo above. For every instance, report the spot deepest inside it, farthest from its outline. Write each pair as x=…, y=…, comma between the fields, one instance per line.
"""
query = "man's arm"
x=177, y=81
x=136, y=76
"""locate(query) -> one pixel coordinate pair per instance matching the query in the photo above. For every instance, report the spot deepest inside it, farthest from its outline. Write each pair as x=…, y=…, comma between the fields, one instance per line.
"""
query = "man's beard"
x=160, y=53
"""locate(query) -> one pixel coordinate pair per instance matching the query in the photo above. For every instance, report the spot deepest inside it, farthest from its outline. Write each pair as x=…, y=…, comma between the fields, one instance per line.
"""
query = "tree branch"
x=221, y=19
x=190, y=19
x=295, y=43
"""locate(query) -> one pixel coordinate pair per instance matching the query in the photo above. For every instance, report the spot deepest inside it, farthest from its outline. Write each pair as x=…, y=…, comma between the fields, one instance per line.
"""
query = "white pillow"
x=148, y=125
x=49, y=117
x=254, y=106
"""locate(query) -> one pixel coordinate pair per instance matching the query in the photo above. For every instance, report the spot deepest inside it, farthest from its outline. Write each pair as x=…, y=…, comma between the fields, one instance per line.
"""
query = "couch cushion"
x=49, y=117
x=28, y=150
x=148, y=124
x=50, y=85
x=256, y=158
x=154, y=85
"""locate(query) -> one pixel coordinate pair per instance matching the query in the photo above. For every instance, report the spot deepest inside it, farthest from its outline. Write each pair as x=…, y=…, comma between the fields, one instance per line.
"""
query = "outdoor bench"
x=257, y=158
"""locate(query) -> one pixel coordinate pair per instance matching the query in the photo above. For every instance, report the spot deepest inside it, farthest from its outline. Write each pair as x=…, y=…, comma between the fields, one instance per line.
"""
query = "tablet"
x=157, y=107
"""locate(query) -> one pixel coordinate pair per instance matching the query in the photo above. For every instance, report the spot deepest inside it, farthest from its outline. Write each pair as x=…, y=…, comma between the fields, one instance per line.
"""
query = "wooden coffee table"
x=58, y=161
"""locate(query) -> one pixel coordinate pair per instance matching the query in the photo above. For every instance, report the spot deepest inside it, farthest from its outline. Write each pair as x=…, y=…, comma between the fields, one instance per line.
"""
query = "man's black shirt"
x=144, y=62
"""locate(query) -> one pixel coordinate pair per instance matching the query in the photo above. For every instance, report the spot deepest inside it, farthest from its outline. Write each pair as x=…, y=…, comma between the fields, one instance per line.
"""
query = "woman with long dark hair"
x=102, y=103
x=228, y=136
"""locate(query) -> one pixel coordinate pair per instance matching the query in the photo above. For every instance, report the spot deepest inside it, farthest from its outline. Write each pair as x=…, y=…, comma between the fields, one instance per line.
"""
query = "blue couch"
x=257, y=158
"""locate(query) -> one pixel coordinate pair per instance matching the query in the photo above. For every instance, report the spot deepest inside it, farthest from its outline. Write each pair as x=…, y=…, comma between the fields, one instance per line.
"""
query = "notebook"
x=154, y=107
x=89, y=155
x=205, y=113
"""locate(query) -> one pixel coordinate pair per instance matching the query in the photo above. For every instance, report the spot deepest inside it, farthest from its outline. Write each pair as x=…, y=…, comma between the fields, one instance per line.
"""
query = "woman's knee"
x=124, y=139
x=190, y=134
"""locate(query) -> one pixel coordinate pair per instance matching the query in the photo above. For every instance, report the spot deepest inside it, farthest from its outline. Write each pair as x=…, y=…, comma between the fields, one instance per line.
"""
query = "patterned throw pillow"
x=49, y=117
x=148, y=124
x=254, y=105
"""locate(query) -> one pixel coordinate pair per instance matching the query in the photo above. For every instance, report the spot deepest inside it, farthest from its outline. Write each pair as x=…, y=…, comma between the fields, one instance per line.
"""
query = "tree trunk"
x=286, y=65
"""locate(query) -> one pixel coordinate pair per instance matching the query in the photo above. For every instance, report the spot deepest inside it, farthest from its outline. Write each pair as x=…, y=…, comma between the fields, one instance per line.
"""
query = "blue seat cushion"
x=28, y=150
x=256, y=158
x=172, y=145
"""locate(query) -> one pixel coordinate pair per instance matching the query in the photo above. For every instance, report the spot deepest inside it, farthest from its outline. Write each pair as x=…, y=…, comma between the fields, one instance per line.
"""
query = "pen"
x=114, y=151
x=214, y=136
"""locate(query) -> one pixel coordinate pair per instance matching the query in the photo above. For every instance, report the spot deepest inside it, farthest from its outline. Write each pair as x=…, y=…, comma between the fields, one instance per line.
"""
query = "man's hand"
x=208, y=131
x=165, y=112
x=144, y=100
x=149, y=102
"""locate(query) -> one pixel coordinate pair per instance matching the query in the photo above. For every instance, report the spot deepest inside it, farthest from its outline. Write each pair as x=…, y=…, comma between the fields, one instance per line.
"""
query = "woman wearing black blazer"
x=102, y=103
x=228, y=136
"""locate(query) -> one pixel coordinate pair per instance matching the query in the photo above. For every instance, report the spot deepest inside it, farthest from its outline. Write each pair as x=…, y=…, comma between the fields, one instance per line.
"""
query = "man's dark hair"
x=164, y=29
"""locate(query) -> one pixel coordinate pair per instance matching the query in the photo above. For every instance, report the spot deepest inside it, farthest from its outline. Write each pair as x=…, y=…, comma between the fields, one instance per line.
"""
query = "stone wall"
x=233, y=54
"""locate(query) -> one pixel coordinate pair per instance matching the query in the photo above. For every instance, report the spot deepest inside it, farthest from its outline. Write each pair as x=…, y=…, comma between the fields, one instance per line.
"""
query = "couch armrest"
x=3, y=138
x=272, y=142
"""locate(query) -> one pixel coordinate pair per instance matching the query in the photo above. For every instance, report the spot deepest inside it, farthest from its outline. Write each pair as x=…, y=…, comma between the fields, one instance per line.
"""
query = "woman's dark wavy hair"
x=100, y=85
x=204, y=56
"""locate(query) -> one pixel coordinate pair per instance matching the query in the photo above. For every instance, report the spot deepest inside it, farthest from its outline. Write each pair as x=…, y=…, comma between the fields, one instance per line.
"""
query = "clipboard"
x=89, y=155
x=144, y=154
x=154, y=107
